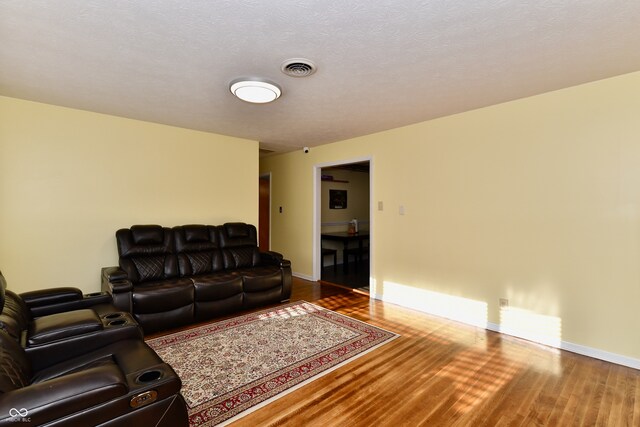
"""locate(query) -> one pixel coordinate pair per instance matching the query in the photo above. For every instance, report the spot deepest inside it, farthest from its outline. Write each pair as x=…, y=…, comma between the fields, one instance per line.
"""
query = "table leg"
x=345, y=258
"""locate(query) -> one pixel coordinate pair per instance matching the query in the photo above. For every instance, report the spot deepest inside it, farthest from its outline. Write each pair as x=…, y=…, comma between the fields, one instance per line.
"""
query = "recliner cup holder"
x=149, y=376
x=113, y=316
x=117, y=322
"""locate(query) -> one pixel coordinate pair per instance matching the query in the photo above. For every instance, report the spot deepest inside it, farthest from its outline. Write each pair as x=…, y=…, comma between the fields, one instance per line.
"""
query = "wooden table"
x=346, y=238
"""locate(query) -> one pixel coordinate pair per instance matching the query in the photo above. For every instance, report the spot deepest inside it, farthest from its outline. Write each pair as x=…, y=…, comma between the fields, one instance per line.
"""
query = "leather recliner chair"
x=87, y=366
x=121, y=384
x=61, y=322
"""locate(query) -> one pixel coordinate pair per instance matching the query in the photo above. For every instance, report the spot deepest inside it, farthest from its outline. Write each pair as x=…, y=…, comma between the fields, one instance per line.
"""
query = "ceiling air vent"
x=298, y=67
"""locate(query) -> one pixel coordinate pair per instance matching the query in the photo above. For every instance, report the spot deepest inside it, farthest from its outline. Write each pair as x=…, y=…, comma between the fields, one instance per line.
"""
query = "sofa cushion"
x=149, y=268
x=241, y=257
x=234, y=234
x=15, y=314
x=217, y=287
x=147, y=234
x=239, y=245
x=237, y=229
x=146, y=253
x=156, y=297
x=205, y=310
x=3, y=287
x=196, y=233
x=144, y=240
x=261, y=278
x=9, y=325
x=197, y=249
x=15, y=369
x=199, y=262
x=217, y=294
x=154, y=322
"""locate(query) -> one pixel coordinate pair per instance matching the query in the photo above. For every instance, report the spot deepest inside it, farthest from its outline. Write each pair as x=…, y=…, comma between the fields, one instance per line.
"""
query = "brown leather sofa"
x=81, y=367
x=171, y=277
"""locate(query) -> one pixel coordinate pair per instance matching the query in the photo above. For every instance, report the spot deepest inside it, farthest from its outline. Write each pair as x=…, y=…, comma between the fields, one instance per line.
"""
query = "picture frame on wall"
x=337, y=199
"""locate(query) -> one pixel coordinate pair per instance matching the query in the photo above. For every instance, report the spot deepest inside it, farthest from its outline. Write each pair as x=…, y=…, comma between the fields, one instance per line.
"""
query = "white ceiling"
x=381, y=63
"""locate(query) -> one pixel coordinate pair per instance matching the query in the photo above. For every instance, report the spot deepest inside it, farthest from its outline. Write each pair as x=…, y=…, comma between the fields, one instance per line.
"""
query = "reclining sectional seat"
x=171, y=277
x=81, y=363
x=62, y=322
x=124, y=383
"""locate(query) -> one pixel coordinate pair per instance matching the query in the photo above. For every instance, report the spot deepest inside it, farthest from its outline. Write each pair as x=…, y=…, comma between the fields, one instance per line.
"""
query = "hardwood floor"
x=443, y=373
x=357, y=275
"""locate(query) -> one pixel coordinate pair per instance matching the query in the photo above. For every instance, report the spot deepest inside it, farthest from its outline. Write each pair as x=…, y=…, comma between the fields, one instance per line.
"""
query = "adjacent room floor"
x=356, y=276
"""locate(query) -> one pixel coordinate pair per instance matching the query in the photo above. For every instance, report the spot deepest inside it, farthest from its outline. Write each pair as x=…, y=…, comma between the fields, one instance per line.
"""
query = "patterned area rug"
x=232, y=367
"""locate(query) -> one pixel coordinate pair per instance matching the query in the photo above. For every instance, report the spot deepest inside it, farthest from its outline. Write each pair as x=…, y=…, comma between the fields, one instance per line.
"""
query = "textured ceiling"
x=381, y=64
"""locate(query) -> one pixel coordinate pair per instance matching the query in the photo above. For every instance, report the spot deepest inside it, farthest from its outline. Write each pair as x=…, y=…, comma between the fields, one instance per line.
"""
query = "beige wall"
x=535, y=200
x=70, y=179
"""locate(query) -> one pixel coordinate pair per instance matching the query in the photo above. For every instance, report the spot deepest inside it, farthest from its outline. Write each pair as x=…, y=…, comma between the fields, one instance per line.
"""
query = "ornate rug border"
x=305, y=382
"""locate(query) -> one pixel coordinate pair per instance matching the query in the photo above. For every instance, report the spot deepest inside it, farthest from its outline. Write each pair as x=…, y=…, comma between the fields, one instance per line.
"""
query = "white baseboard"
x=601, y=354
x=302, y=276
x=563, y=345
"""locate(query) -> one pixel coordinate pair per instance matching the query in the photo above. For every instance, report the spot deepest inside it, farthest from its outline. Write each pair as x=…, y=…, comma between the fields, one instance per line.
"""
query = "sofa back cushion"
x=197, y=249
x=15, y=369
x=239, y=245
x=14, y=314
x=147, y=253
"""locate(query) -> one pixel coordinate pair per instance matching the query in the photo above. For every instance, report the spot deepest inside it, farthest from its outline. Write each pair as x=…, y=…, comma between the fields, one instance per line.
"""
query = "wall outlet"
x=380, y=206
x=401, y=210
x=504, y=302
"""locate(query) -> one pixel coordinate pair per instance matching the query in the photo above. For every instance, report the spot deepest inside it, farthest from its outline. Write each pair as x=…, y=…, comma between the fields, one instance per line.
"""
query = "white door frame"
x=317, y=214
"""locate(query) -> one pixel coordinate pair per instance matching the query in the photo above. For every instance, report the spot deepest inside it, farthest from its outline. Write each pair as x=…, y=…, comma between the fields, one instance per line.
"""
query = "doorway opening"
x=343, y=223
x=264, y=212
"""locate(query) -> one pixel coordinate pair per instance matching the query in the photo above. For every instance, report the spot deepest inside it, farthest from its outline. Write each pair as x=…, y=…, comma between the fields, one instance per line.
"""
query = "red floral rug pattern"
x=231, y=366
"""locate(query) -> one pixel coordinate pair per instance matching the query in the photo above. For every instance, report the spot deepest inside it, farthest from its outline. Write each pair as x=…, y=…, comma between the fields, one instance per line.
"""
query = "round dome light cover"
x=255, y=91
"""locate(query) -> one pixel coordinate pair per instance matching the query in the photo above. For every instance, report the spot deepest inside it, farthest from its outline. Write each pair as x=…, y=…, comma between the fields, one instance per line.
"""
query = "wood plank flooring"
x=443, y=373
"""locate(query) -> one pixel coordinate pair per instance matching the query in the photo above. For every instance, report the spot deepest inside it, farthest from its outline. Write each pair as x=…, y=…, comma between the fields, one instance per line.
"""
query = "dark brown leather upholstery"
x=62, y=334
x=83, y=367
x=62, y=325
x=170, y=277
x=146, y=253
x=95, y=388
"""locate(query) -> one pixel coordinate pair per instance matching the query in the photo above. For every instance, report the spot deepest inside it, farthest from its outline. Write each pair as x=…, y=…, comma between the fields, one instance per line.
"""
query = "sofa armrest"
x=276, y=258
x=114, y=274
x=285, y=263
x=44, y=297
x=116, y=283
x=88, y=301
x=272, y=257
x=62, y=326
x=51, y=400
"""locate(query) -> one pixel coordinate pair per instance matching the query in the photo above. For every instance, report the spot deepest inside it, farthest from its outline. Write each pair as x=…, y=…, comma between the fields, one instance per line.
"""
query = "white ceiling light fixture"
x=255, y=91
